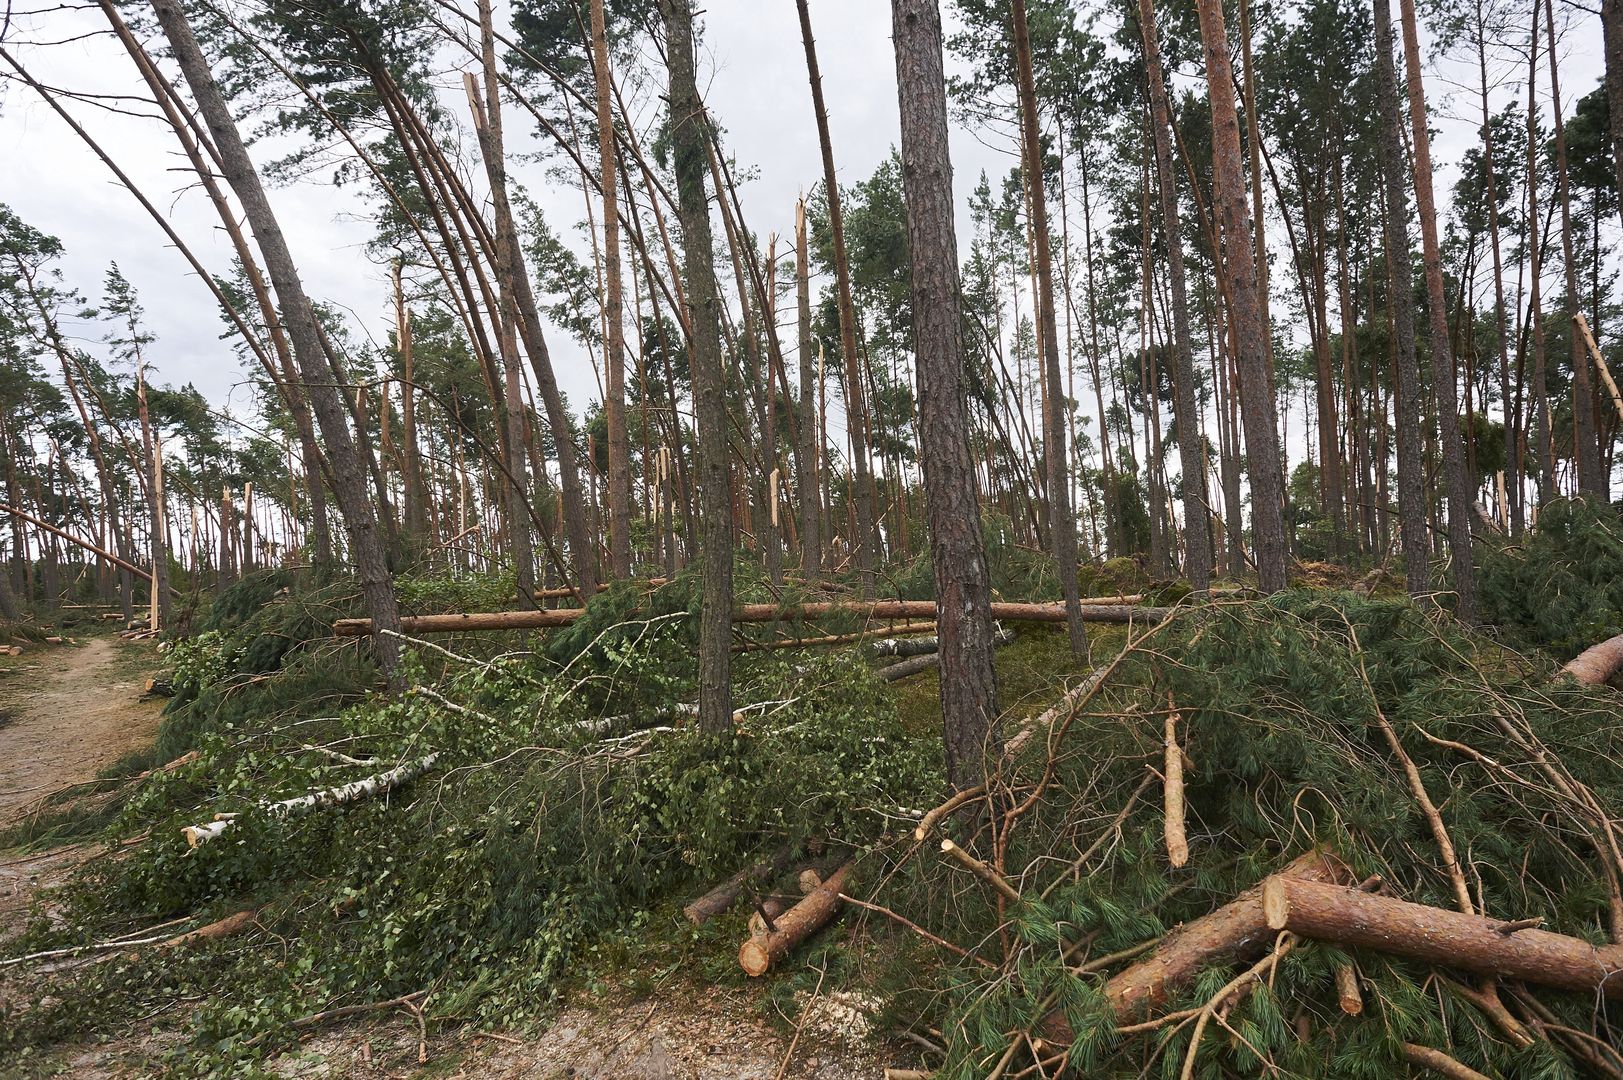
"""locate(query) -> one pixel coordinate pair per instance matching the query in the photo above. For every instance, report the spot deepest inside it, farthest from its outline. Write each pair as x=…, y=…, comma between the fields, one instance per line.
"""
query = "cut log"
x=1236, y=931
x=53, y=639
x=1598, y=663
x=347, y=793
x=160, y=688
x=757, y=955
x=726, y=894
x=1330, y=912
x=757, y=613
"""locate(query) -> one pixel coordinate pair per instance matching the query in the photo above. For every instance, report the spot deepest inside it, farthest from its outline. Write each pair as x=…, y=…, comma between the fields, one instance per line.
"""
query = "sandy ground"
x=66, y=713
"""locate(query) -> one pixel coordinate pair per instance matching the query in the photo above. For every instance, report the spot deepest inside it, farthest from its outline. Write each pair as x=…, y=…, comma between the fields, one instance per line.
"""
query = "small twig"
x=917, y=929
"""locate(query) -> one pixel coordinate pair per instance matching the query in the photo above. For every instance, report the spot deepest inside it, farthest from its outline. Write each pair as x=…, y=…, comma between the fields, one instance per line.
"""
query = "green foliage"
x=1561, y=587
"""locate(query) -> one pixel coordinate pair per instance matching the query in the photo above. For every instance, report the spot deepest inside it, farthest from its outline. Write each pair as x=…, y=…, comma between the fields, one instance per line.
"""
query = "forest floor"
x=68, y=713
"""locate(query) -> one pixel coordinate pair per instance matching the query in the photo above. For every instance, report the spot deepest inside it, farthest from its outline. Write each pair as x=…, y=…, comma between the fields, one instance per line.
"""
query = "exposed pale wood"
x=1331, y=912
x=1176, y=840
x=225, y=927
x=1600, y=362
x=980, y=870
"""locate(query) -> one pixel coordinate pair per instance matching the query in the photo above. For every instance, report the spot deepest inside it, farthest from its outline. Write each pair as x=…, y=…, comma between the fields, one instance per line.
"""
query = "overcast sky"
x=754, y=77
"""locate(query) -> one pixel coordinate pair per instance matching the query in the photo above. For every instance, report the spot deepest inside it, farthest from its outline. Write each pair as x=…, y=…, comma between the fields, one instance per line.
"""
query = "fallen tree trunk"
x=757, y=955
x=225, y=927
x=921, y=662
x=1330, y=912
x=347, y=793
x=1598, y=663
x=838, y=639
x=1235, y=931
x=755, y=613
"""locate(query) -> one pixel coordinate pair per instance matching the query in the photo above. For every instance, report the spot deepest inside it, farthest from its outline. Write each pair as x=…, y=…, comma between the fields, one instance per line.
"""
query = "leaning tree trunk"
x=690, y=139
x=348, y=470
x=1056, y=456
x=1411, y=470
x=856, y=409
x=1197, y=532
x=1250, y=333
x=958, y=554
x=1457, y=482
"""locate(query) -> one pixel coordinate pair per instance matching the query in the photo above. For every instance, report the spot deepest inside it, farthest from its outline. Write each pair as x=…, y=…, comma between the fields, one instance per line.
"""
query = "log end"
x=1275, y=903
x=754, y=958
x=194, y=835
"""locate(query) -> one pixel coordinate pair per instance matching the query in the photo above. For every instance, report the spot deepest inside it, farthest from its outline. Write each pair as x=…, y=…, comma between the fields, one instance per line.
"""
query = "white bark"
x=338, y=796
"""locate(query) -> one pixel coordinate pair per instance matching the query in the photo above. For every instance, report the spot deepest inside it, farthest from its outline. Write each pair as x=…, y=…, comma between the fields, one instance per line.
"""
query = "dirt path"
x=67, y=712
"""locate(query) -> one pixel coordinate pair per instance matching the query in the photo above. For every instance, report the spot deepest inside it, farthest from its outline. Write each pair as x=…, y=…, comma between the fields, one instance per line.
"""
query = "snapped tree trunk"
x=806, y=468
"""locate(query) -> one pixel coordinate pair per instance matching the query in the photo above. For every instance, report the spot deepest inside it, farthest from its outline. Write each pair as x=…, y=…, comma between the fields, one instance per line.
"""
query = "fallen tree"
x=338, y=796
x=756, y=613
x=1327, y=911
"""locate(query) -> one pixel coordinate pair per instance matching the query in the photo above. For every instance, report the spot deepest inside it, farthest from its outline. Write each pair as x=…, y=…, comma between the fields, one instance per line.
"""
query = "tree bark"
x=806, y=473
x=614, y=403
x=1197, y=533
x=690, y=136
x=758, y=954
x=1591, y=478
x=1250, y=333
x=1457, y=482
x=1611, y=18
x=1347, y=916
x=957, y=549
x=1409, y=403
x=349, y=473
x=1056, y=454
x=856, y=409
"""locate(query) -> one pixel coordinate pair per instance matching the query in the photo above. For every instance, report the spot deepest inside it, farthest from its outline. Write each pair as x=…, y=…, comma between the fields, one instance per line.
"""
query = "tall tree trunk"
x=1591, y=479
x=1056, y=454
x=151, y=441
x=690, y=139
x=1250, y=333
x=1185, y=402
x=856, y=419
x=1445, y=382
x=1512, y=434
x=349, y=471
x=958, y=555
x=415, y=522
x=1611, y=18
x=1409, y=403
x=811, y=489
x=614, y=404
x=1543, y=435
